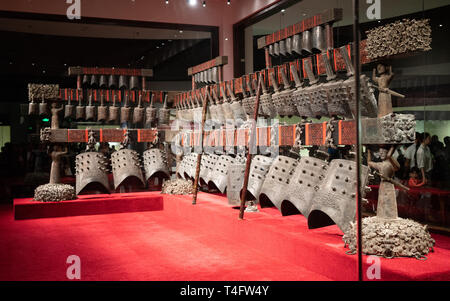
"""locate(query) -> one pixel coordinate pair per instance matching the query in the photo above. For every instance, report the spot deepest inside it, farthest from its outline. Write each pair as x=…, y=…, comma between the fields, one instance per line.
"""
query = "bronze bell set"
x=315, y=40
x=112, y=81
x=109, y=113
x=103, y=82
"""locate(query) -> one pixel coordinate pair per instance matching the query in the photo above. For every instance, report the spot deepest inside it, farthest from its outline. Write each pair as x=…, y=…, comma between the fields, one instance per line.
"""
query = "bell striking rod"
x=199, y=155
x=249, y=155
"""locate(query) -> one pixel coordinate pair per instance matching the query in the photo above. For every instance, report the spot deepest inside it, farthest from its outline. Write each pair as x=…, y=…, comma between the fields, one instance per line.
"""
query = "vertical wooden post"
x=199, y=155
x=144, y=84
x=268, y=58
x=220, y=74
x=249, y=155
x=357, y=67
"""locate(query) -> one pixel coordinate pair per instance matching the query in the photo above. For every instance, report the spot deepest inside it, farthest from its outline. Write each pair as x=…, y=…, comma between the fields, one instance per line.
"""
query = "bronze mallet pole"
x=199, y=155
x=251, y=142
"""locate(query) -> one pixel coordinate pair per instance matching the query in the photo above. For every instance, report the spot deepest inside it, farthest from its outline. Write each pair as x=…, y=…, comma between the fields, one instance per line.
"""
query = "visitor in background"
x=440, y=172
x=424, y=159
x=414, y=180
x=410, y=158
x=399, y=155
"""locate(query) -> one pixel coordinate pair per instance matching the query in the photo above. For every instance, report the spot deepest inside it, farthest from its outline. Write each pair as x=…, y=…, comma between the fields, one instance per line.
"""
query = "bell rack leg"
x=267, y=57
x=199, y=155
x=356, y=64
x=249, y=155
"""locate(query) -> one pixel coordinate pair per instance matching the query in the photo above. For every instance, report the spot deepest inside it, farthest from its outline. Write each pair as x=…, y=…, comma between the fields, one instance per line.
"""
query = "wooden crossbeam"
x=102, y=135
x=110, y=71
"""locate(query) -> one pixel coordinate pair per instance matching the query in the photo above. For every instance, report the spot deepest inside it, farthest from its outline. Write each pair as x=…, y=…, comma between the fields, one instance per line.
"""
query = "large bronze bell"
x=112, y=81
x=103, y=82
x=134, y=83
x=276, y=49
x=283, y=47
x=306, y=42
x=318, y=39
x=94, y=81
x=289, y=45
x=297, y=44
x=123, y=83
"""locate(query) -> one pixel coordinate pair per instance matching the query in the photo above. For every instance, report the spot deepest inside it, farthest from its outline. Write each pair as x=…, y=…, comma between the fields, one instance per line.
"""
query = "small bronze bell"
x=138, y=112
x=86, y=80
x=123, y=83
x=102, y=110
x=94, y=81
x=80, y=110
x=43, y=108
x=125, y=111
x=112, y=82
x=90, y=109
x=134, y=83
x=68, y=109
x=103, y=82
x=33, y=108
x=113, y=110
x=150, y=113
x=164, y=113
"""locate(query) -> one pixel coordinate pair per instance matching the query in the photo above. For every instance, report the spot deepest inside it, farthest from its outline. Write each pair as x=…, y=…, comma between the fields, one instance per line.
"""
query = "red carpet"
x=186, y=242
x=87, y=205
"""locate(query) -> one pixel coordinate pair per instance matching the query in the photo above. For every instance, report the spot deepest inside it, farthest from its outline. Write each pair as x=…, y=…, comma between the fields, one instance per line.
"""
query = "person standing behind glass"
x=424, y=159
x=410, y=153
x=399, y=155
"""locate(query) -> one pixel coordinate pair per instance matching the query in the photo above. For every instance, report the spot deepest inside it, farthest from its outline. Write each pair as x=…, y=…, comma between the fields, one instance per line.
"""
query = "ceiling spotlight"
x=228, y=2
x=180, y=31
x=283, y=10
x=192, y=2
x=226, y=39
x=167, y=1
x=440, y=25
x=204, y=3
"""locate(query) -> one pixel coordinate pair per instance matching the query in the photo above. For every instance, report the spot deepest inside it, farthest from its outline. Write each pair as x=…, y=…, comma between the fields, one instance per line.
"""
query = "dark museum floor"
x=186, y=242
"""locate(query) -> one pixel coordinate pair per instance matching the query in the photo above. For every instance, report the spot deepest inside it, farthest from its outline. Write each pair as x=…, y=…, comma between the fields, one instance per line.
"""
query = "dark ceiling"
x=37, y=58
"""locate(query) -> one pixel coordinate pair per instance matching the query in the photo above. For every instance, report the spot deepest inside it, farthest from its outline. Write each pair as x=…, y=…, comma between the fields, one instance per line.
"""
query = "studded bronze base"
x=177, y=186
x=54, y=193
x=391, y=238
